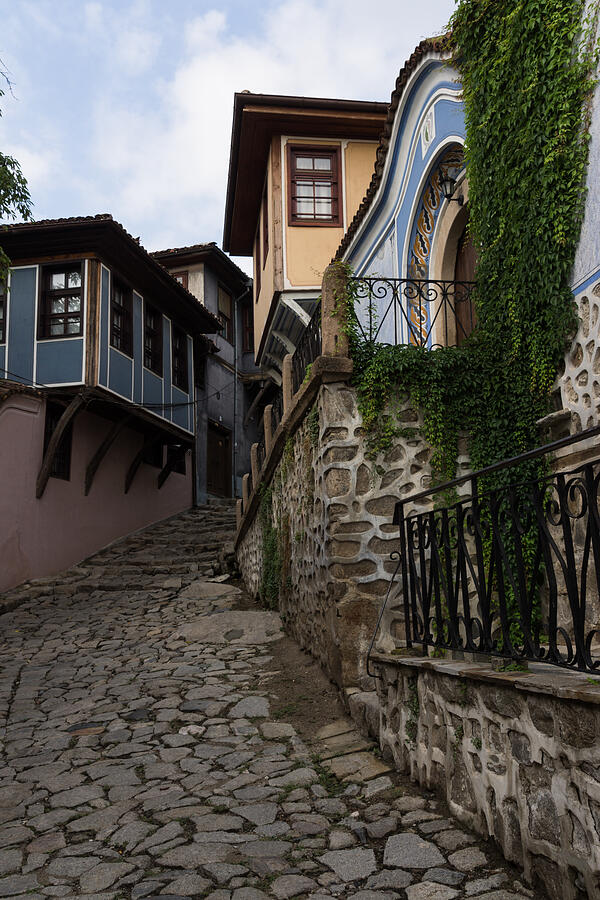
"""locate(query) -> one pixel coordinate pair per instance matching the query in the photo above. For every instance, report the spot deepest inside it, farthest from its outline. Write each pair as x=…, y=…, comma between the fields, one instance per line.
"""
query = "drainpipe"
x=235, y=382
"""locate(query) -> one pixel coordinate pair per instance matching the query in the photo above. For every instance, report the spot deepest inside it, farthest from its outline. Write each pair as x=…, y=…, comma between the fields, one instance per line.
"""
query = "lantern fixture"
x=448, y=185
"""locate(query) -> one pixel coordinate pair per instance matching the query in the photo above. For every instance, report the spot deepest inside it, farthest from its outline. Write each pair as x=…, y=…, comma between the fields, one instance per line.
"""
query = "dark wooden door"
x=466, y=260
x=218, y=461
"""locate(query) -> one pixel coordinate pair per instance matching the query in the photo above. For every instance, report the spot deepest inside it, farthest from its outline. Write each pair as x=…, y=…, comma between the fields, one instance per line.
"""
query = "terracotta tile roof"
x=428, y=45
x=210, y=250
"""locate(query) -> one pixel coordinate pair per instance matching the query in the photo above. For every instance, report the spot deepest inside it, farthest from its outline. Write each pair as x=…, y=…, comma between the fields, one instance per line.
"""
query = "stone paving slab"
x=140, y=757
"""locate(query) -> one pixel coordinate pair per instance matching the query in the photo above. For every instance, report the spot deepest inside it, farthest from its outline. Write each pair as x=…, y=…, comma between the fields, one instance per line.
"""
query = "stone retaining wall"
x=333, y=507
x=516, y=756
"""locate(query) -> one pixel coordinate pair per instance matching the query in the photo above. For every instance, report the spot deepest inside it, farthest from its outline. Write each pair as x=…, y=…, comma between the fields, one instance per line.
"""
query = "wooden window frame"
x=153, y=356
x=247, y=329
x=179, y=359
x=61, y=464
x=228, y=332
x=121, y=336
x=48, y=294
x=334, y=152
x=265, y=224
x=184, y=278
x=257, y=267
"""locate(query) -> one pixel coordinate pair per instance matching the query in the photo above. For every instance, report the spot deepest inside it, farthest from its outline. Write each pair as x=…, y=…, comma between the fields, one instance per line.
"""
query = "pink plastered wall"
x=42, y=537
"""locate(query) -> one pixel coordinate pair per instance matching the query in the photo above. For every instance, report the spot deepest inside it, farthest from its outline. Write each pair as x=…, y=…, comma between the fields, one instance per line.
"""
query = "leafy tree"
x=15, y=200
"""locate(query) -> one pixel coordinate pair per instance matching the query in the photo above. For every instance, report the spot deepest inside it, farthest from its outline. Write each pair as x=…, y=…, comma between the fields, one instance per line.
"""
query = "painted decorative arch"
x=451, y=162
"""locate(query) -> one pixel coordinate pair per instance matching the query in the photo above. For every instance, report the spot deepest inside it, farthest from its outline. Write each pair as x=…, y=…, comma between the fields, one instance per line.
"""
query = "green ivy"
x=527, y=71
x=271, y=551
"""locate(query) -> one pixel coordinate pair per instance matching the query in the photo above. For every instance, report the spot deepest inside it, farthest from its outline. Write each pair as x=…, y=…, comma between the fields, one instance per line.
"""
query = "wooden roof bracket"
x=138, y=459
x=67, y=417
x=166, y=470
x=94, y=463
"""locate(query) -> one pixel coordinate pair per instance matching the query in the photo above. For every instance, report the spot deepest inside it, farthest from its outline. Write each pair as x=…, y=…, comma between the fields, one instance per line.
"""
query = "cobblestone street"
x=145, y=751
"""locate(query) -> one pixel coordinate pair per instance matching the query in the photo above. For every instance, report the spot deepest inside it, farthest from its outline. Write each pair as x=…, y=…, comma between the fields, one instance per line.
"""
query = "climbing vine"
x=271, y=551
x=527, y=70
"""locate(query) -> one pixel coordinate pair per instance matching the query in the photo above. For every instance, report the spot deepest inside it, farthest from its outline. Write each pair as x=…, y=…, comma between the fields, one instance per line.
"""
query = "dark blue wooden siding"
x=21, y=324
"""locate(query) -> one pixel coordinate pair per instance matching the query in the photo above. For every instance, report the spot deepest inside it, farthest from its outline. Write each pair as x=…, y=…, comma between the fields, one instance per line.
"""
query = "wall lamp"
x=448, y=185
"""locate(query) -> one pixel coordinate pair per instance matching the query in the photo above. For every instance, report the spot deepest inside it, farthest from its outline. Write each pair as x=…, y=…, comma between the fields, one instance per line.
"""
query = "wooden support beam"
x=101, y=452
x=67, y=417
x=166, y=469
x=138, y=459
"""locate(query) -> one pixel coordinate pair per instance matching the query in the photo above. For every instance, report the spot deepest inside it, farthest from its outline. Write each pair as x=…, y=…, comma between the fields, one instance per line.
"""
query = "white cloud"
x=154, y=150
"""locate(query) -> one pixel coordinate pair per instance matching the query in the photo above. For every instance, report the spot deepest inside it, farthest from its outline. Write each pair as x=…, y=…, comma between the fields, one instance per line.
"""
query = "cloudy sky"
x=125, y=106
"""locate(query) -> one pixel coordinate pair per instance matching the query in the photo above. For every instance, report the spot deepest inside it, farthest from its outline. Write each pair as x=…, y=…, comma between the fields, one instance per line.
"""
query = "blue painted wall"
x=128, y=377
x=21, y=324
x=59, y=362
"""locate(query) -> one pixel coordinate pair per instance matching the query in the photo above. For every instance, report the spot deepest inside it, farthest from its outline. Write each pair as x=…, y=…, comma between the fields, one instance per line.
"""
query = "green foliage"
x=15, y=201
x=527, y=72
x=477, y=743
x=271, y=552
x=312, y=420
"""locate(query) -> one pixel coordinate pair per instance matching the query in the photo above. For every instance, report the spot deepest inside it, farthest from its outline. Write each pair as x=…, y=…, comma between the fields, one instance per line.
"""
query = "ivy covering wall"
x=527, y=69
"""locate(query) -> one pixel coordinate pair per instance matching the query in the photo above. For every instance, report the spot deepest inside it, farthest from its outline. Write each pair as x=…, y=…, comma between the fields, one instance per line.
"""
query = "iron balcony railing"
x=513, y=572
x=309, y=347
x=414, y=311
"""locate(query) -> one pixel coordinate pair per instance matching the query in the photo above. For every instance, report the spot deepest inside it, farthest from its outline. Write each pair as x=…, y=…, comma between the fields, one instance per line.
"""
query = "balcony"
x=413, y=311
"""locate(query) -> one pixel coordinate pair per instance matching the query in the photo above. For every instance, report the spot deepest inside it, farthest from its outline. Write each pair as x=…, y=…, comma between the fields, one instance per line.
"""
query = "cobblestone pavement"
x=140, y=758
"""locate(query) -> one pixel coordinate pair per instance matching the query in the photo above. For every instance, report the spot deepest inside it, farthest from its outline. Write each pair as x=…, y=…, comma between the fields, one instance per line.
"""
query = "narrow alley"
x=151, y=748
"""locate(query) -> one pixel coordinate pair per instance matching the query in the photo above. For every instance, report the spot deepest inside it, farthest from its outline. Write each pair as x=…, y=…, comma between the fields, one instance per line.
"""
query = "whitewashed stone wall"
x=517, y=757
x=580, y=383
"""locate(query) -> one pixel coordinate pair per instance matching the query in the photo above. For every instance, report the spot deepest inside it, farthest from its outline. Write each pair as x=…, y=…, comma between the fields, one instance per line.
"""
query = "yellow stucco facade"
x=297, y=255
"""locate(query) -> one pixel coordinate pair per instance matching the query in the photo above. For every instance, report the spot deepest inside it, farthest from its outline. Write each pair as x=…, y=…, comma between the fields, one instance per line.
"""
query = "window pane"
x=323, y=164
x=57, y=326
x=322, y=189
x=323, y=208
x=304, y=189
x=58, y=305
x=305, y=207
x=74, y=303
x=74, y=280
x=72, y=326
x=304, y=162
x=224, y=302
x=57, y=282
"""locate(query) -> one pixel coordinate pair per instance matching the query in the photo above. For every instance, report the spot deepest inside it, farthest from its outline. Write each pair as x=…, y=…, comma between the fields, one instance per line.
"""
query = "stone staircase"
x=167, y=554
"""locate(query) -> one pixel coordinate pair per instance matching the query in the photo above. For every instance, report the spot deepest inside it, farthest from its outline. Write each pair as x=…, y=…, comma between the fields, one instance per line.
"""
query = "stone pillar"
x=238, y=513
x=268, y=426
x=287, y=382
x=245, y=491
x=254, y=464
x=334, y=341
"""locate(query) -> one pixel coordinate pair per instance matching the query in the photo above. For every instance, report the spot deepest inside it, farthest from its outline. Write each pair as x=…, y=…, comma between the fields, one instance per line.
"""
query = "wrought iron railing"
x=513, y=572
x=414, y=311
x=277, y=413
x=309, y=347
